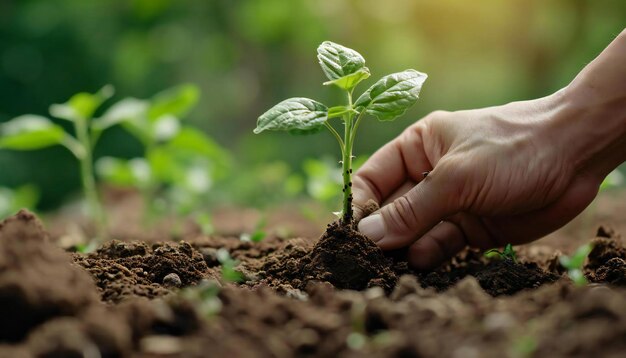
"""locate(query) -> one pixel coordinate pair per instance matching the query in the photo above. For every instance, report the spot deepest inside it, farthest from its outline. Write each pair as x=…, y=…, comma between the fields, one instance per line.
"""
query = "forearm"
x=591, y=117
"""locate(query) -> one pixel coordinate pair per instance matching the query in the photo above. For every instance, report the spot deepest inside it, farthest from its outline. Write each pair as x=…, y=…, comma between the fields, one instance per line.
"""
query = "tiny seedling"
x=31, y=132
x=258, y=234
x=345, y=68
x=574, y=264
x=229, y=272
x=507, y=254
x=205, y=297
x=180, y=162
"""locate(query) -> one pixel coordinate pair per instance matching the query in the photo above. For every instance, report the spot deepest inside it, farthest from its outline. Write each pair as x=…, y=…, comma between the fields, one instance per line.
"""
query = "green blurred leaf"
x=29, y=132
x=177, y=101
x=350, y=81
x=82, y=105
x=128, y=173
x=293, y=114
x=127, y=110
x=165, y=128
x=577, y=260
x=338, y=61
x=189, y=140
x=392, y=95
x=12, y=200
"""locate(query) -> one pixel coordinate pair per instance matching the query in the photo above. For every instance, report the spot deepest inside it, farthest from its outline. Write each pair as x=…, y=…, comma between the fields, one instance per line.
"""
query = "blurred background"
x=246, y=55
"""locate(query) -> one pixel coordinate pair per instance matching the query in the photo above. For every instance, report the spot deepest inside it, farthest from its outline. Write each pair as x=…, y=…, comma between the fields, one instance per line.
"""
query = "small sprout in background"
x=259, y=232
x=574, y=264
x=180, y=163
x=345, y=68
x=524, y=346
x=229, y=273
x=31, y=132
x=12, y=200
x=205, y=297
x=507, y=254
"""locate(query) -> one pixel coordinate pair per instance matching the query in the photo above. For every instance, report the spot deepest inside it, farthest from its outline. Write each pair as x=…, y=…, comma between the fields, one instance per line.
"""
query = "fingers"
x=398, y=161
x=447, y=239
x=442, y=242
x=410, y=216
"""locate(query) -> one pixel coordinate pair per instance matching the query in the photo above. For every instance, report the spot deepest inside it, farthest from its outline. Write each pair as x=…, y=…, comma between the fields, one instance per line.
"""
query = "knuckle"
x=400, y=216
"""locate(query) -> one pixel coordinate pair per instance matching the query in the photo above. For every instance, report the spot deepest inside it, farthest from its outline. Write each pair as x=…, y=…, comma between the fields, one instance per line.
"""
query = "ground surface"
x=128, y=299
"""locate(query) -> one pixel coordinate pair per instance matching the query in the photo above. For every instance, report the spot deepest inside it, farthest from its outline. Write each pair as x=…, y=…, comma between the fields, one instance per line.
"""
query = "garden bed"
x=129, y=299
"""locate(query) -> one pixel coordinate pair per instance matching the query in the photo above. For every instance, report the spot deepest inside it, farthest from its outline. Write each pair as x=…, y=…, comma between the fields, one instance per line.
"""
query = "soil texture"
x=336, y=297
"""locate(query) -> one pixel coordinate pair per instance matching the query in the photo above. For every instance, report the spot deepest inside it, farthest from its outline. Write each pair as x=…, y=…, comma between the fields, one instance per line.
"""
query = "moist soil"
x=337, y=296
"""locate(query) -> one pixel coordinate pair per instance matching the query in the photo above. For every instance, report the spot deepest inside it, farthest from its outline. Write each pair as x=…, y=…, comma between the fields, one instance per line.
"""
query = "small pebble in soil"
x=172, y=280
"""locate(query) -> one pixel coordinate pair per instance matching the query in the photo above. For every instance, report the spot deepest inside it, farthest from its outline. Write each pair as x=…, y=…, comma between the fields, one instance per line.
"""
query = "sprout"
x=345, y=68
x=508, y=253
x=574, y=264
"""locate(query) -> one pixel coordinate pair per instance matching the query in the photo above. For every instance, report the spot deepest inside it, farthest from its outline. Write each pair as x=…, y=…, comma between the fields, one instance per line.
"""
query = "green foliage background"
x=246, y=55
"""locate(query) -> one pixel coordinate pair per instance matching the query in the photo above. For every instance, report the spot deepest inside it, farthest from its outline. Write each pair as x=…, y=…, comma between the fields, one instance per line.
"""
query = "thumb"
x=407, y=218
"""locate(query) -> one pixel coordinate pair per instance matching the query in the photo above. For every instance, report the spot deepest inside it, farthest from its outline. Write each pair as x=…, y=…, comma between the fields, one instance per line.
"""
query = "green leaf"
x=81, y=106
x=177, y=101
x=339, y=111
x=134, y=172
x=338, y=61
x=127, y=110
x=189, y=141
x=293, y=114
x=30, y=132
x=577, y=260
x=350, y=81
x=392, y=95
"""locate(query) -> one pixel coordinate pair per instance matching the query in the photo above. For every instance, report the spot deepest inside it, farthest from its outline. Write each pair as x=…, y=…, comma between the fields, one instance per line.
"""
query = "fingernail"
x=373, y=227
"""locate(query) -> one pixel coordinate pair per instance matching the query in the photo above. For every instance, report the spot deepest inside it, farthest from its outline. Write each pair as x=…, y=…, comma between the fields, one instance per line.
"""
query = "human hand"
x=506, y=174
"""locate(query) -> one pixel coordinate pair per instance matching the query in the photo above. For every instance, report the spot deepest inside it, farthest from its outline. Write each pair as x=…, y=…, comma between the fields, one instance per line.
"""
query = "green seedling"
x=507, y=254
x=205, y=297
x=229, y=273
x=258, y=234
x=574, y=264
x=31, y=132
x=12, y=200
x=345, y=68
x=180, y=163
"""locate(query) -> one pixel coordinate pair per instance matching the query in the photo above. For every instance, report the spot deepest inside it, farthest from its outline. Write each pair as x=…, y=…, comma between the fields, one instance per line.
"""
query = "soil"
x=339, y=296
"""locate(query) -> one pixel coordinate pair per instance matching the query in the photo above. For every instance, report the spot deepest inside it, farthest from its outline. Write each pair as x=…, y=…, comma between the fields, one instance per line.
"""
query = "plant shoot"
x=345, y=68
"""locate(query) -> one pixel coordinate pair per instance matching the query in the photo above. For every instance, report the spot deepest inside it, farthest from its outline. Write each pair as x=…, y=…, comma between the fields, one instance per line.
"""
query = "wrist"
x=590, y=113
x=591, y=125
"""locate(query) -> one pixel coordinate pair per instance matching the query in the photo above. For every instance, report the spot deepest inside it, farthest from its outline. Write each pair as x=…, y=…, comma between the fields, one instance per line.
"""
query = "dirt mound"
x=34, y=276
x=122, y=269
x=343, y=257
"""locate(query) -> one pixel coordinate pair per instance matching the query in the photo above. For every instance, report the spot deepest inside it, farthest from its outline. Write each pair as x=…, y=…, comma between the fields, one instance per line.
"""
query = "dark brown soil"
x=343, y=257
x=122, y=301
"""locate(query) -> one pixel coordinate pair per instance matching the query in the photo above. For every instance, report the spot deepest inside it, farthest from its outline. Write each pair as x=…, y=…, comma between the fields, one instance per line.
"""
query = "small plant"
x=31, y=132
x=180, y=162
x=574, y=264
x=229, y=271
x=258, y=234
x=507, y=254
x=345, y=68
x=205, y=297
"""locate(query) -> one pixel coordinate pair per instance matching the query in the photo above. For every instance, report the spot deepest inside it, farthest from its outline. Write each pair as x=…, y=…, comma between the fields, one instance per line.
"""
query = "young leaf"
x=392, y=95
x=81, y=105
x=350, y=81
x=293, y=114
x=30, y=132
x=338, y=61
x=339, y=111
x=176, y=101
x=128, y=109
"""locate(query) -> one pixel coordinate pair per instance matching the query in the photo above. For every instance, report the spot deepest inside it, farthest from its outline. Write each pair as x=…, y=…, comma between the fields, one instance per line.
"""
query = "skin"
x=497, y=175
